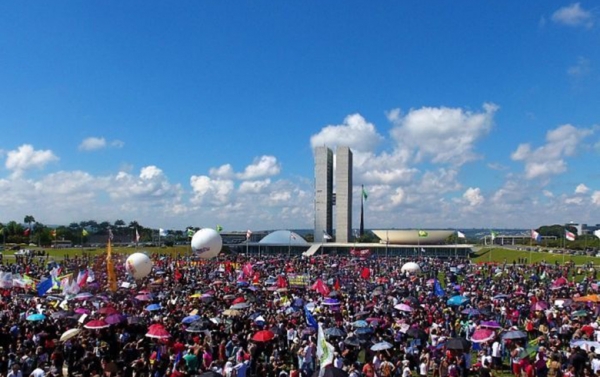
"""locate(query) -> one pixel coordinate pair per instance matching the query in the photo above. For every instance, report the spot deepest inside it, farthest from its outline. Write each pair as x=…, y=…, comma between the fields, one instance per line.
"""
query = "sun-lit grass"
x=500, y=255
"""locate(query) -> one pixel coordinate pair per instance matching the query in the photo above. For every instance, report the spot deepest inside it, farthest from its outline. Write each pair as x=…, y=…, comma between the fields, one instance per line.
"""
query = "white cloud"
x=548, y=193
x=440, y=134
x=596, y=198
x=577, y=200
x=398, y=196
x=581, y=189
x=573, y=15
x=207, y=190
x=254, y=187
x=223, y=171
x=26, y=158
x=355, y=132
x=473, y=196
x=548, y=159
x=96, y=143
x=581, y=69
x=265, y=166
x=92, y=144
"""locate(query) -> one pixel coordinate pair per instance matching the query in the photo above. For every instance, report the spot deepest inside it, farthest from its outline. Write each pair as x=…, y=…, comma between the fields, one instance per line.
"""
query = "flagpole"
x=289, y=244
x=362, y=216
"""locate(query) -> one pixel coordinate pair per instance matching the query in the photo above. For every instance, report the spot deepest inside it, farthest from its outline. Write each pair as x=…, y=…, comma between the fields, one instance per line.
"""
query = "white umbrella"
x=381, y=346
x=69, y=334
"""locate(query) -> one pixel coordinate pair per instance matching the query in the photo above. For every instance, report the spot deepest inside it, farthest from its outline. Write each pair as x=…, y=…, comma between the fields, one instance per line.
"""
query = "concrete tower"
x=323, y=192
x=343, y=194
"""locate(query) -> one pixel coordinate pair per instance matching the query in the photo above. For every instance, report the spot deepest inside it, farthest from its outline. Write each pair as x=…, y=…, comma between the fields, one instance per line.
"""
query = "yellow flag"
x=110, y=269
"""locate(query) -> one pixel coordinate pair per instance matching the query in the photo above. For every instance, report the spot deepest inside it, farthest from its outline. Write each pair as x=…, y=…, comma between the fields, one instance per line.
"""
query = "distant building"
x=343, y=194
x=323, y=192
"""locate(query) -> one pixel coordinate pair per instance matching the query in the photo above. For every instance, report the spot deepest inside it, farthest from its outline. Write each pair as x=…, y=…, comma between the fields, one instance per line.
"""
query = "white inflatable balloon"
x=207, y=243
x=411, y=268
x=138, y=265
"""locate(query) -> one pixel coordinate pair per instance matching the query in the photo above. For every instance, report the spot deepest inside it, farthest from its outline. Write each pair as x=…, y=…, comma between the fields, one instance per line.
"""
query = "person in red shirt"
x=368, y=370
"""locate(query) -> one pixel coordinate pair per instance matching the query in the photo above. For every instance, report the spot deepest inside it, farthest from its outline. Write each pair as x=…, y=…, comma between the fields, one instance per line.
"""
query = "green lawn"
x=59, y=254
x=499, y=255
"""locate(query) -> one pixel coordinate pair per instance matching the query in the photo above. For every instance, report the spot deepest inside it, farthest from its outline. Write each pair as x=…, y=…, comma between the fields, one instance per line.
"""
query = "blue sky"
x=460, y=114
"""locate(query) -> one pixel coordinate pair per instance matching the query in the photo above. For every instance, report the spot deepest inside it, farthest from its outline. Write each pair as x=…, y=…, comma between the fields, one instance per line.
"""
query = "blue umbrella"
x=153, y=307
x=457, y=300
x=189, y=319
x=363, y=331
x=36, y=317
x=470, y=311
x=360, y=323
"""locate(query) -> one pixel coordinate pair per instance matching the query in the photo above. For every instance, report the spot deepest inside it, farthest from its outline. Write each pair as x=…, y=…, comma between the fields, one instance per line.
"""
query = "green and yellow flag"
x=423, y=233
x=84, y=232
x=219, y=228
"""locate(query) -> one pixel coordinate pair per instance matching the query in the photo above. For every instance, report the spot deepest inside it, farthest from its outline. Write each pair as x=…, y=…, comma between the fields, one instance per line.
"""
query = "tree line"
x=32, y=231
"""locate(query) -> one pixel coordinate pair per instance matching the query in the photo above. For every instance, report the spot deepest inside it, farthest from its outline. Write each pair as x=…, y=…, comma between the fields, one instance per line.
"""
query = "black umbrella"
x=331, y=371
x=352, y=341
x=460, y=344
x=416, y=333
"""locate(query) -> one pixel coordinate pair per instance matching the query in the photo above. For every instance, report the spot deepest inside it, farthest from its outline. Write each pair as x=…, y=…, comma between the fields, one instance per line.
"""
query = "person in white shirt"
x=15, y=371
x=37, y=372
x=496, y=355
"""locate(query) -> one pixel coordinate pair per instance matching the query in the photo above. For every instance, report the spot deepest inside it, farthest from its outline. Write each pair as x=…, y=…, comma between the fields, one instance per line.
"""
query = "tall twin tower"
x=325, y=198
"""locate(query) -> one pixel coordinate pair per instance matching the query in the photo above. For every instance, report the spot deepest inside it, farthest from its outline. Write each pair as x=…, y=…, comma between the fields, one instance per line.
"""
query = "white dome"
x=411, y=267
x=207, y=243
x=283, y=237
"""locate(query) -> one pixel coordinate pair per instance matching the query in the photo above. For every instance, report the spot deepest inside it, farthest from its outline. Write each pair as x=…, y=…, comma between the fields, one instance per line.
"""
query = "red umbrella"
x=539, y=306
x=108, y=310
x=96, y=324
x=157, y=331
x=263, y=336
x=483, y=335
x=239, y=300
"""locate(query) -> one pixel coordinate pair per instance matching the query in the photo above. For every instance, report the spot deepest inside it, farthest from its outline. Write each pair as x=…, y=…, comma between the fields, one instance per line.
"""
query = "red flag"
x=320, y=287
x=256, y=279
x=26, y=232
x=178, y=275
x=336, y=285
x=281, y=282
x=365, y=273
x=247, y=270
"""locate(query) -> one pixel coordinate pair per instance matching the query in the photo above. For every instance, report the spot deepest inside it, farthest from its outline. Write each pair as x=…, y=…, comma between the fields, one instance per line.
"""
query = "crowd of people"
x=274, y=316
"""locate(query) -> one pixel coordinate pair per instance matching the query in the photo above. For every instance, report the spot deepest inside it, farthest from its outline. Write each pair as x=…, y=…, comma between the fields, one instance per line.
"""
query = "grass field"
x=499, y=255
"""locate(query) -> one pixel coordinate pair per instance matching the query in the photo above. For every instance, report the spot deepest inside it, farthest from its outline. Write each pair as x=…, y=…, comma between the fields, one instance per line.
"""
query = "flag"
x=493, y=235
x=26, y=232
x=437, y=288
x=597, y=233
x=248, y=234
x=44, y=286
x=110, y=234
x=324, y=349
x=110, y=269
x=460, y=234
x=53, y=233
x=310, y=319
x=84, y=232
x=247, y=270
x=326, y=236
x=365, y=273
x=190, y=232
x=535, y=236
x=219, y=228
x=570, y=236
x=336, y=285
x=162, y=232
x=137, y=236
x=281, y=282
x=82, y=278
x=423, y=233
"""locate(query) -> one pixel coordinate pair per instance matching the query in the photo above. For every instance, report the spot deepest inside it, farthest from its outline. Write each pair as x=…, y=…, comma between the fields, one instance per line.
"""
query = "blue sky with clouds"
x=460, y=114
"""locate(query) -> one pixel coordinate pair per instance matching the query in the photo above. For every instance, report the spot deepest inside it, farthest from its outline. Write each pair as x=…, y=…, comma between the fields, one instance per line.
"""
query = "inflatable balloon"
x=411, y=268
x=207, y=243
x=138, y=265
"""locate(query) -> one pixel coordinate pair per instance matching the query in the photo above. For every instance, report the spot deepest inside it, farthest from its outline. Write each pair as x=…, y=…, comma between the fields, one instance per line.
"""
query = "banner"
x=298, y=280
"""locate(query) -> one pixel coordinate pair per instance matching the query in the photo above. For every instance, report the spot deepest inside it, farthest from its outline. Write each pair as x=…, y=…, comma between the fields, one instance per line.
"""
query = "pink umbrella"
x=560, y=281
x=143, y=297
x=483, y=335
x=539, y=306
x=490, y=324
x=114, y=319
x=403, y=308
x=107, y=310
x=157, y=332
x=82, y=311
x=96, y=324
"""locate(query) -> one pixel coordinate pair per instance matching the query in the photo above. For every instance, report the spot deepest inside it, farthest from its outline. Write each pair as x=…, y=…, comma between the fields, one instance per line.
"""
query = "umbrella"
x=416, y=333
x=263, y=336
x=363, y=331
x=198, y=326
x=361, y=314
x=588, y=298
x=107, y=310
x=153, y=307
x=360, y=323
x=157, y=332
x=144, y=297
x=579, y=313
x=113, y=319
x=331, y=302
x=59, y=315
x=190, y=318
x=352, y=341
x=84, y=296
x=460, y=344
x=514, y=334
x=239, y=300
x=470, y=311
x=483, y=335
x=403, y=308
x=457, y=300
x=490, y=324
x=501, y=297
x=36, y=317
x=96, y=324
x=381, y=346
x=232, y=313
x=539, y=306
x=82, y=311
x=241, y=305
x=69, y=334
x=335, y=331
